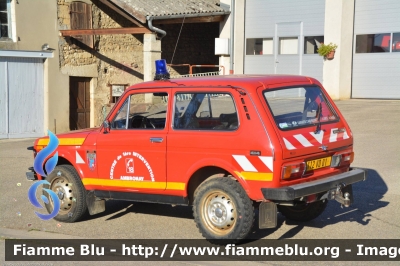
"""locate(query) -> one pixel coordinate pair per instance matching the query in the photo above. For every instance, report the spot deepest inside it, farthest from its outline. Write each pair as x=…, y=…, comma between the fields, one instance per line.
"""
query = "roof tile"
x=156, y=8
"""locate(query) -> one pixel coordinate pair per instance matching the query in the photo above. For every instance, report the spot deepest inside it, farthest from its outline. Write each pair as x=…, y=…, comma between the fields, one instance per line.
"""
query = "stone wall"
x=115, y=59
x=118, y=59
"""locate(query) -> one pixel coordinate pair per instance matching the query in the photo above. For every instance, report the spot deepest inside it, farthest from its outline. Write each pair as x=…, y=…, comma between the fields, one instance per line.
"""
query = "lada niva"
x=226, y=145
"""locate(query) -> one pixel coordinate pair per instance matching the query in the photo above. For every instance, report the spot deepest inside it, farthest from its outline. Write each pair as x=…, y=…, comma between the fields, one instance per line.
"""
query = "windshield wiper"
x=319, y=112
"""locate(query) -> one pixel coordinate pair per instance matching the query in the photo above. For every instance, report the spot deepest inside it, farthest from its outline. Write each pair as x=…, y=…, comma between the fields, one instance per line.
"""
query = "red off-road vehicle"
x=225, y=145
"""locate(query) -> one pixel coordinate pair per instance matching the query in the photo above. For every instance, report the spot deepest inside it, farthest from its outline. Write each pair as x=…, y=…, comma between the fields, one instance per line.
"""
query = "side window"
x=205, y=111
x=142, y=111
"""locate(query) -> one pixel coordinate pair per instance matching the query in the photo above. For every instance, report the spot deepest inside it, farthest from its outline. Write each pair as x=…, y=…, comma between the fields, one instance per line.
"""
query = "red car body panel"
x=101, y=158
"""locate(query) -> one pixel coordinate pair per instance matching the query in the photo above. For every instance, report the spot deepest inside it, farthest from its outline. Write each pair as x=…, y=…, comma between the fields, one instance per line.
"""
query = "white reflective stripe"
x=333, y=136
x=319, y=137
x=345, y=136
x=303, y=140
x=289, y=145
x=244, y=163
x=268, y=161
x=79, y=159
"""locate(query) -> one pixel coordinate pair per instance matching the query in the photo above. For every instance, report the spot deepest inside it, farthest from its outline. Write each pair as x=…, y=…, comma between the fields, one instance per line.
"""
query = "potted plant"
x=327, y=50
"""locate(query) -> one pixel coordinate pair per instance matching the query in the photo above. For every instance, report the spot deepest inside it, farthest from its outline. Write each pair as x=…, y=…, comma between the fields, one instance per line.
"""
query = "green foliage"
x=325, y=49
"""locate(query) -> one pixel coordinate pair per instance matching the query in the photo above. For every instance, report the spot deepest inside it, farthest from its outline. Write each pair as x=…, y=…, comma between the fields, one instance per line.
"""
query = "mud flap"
x=95, y=205
x=267, y=215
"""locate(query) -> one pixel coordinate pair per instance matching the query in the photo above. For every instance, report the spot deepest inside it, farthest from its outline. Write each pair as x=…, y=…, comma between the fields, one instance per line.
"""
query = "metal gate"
x=21, y=97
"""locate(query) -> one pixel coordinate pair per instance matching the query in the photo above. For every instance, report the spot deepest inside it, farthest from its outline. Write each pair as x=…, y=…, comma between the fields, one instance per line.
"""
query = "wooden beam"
x=65, y=33
x=206, y=19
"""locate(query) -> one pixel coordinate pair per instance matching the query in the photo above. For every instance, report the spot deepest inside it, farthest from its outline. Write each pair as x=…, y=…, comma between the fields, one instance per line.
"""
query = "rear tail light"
x=349, y=157
x=341, y=159
x=293, y=170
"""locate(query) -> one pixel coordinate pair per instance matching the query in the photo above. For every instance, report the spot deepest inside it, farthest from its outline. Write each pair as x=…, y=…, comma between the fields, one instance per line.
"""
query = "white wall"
x=339, y=17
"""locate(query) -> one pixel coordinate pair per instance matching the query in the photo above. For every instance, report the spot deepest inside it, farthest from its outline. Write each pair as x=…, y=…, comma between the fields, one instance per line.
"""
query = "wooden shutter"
x=81, y=18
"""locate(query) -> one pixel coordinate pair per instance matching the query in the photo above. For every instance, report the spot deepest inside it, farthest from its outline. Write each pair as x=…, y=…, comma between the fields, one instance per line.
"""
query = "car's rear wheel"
x=67, y=185
x=303, y=211
x=222, y=210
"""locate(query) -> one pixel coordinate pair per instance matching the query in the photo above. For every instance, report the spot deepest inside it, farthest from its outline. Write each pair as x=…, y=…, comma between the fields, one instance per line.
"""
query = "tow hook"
x=342, y=194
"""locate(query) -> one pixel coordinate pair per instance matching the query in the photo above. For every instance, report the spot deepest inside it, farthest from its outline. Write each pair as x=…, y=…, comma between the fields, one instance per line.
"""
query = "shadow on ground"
x=367, y=199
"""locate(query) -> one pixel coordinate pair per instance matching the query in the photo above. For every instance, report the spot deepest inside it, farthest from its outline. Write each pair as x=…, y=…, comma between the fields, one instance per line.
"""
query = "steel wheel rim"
x=64, y=192
x=219, y=212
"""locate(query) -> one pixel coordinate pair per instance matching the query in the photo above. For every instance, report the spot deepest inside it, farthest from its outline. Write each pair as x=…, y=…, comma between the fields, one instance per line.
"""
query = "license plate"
x=319, y=163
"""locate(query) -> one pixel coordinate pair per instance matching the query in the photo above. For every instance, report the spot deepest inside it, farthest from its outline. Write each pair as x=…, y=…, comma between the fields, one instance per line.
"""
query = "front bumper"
x=291, y=193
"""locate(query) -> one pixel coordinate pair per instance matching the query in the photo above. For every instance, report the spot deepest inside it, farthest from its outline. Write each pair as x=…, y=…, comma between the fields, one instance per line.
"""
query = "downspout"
x=232, y=36
x=157, y=30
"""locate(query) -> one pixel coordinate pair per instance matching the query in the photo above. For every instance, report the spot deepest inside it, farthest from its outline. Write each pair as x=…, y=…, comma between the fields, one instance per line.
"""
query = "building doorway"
x=79, y=103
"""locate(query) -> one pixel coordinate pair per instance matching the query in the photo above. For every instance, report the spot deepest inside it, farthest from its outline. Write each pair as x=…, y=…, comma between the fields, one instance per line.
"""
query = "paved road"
x=374, y=215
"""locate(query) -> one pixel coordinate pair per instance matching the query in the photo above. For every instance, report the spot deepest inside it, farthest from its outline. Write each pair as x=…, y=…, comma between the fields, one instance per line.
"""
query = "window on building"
x=5, y=19
x=396, y=42
x=116, y=91
x=288, y=45
x=312, y=43
x=259, y=46
x=373, y=43
x=81, y=18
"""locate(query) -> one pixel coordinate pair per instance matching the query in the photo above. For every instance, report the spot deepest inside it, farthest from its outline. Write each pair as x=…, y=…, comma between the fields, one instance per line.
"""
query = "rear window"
x=299, y=107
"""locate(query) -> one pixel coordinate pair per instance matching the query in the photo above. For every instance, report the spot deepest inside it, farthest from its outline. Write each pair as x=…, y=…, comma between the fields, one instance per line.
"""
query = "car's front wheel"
x=222, y=210
x=66, y=183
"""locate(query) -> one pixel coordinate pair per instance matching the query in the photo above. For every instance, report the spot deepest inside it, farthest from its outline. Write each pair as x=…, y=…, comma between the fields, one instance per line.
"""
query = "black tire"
x=222, y=210
x=303, y=212
x=65, y=179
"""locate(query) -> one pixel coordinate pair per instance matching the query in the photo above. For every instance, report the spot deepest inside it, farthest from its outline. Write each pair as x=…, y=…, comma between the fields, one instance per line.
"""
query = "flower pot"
x=331, y=55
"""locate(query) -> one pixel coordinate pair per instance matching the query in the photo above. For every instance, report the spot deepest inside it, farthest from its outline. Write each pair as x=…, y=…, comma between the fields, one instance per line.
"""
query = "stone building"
x=77, y=57
x=105, y=62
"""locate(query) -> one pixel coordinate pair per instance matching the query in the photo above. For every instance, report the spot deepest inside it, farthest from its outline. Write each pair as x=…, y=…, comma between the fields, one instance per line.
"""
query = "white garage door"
x=282, y=37
x=376, y=61
x=21, y=97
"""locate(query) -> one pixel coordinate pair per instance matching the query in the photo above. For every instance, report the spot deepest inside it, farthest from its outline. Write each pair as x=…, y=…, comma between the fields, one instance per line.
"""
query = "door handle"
x=156, y=140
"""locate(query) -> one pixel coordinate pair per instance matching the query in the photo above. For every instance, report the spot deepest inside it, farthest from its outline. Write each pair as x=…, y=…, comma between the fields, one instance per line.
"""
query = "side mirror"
x=106, y=126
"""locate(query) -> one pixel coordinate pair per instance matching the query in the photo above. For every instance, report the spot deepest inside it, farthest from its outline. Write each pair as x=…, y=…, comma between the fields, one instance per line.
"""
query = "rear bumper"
x=309, y=188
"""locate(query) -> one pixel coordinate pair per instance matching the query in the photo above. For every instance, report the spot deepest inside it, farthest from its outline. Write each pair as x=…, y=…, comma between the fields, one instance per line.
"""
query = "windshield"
x=299, y=107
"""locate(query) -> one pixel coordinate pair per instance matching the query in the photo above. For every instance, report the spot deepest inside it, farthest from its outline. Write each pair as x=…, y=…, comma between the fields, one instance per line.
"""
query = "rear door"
x=306, y=120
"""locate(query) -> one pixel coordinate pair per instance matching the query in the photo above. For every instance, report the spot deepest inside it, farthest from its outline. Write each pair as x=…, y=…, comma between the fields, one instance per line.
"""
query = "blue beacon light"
x=161, y=70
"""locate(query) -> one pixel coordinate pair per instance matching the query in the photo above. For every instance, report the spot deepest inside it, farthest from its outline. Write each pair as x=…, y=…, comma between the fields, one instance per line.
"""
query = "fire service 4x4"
x=226, y=145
